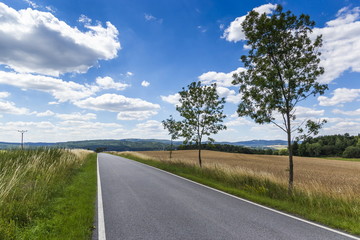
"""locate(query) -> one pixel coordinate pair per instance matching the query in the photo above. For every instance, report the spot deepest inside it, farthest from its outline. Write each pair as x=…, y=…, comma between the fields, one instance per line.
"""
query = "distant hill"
x=132, y=144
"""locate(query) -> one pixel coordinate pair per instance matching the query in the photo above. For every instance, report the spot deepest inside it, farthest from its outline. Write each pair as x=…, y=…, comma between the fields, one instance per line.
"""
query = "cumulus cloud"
x=341, y=44
x=172, y=99
x=220, y=78
x=47, y=113
x=10, y=108
x=135, y=115
x=145, y=83
x=340, y=96
x=348, y=113
x=127, y=108
x=61, y=90
x=109, y=83
x=4, y=94
x=76, y=116
x=305, y=112
x=229, y=95
x=33, y=41
x=234, y=32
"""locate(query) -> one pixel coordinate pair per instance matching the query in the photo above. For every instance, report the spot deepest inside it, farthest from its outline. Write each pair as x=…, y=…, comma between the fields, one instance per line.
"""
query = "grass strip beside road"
x=334, y=212
x=63, y=206
x=71, y=215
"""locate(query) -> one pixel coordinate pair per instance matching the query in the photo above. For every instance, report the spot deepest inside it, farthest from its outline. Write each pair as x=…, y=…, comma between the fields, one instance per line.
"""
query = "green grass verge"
x=337, y=213
x=70, y=214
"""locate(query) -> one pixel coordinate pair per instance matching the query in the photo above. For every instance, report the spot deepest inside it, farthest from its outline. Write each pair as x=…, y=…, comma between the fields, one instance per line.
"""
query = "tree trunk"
x=171, y=146
x=291, y=162
x=199, y=147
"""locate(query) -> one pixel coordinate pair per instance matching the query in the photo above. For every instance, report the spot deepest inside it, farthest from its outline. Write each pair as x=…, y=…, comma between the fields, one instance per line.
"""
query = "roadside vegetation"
x=325, y=191
x=47, y=194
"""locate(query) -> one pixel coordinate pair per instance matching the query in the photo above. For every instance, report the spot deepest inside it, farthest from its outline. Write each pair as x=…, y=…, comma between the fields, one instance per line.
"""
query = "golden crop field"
x=332, y=177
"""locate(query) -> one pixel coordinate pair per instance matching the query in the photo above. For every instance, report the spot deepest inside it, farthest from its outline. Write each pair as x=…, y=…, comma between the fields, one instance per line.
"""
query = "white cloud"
x=239, y=121
x=220, y=78
x=84, y=19
x=37, y=42
x=341, y=44
x=117, y=103
x=151, y=18
x=4, y=94
x=305, y=112
x=109, y=83
x=344, y=126
x=31, y=4
x=47, y=113
x=340, y=95
x=151, y=126
x=229, y=95
x=10, y=108
x=129, y=74
x=145, y=83
x=136, y=115
x=61, y=90
x=234, y=32
x=348, y=113
x=172, y=99
x=76, y=116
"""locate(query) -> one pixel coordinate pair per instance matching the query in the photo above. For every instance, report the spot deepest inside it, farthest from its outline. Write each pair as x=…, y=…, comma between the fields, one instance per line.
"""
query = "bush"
x=352, y=152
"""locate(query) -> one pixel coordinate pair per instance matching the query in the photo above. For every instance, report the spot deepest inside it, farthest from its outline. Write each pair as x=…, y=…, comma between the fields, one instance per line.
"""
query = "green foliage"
x=352, y=152
x=282, y=68
x=229, y=148
x=202, y=113
x=330, y=146
x=174, y=129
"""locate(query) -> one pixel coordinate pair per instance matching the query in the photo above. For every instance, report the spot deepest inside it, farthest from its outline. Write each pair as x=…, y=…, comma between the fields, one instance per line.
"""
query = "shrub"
x=352, y=152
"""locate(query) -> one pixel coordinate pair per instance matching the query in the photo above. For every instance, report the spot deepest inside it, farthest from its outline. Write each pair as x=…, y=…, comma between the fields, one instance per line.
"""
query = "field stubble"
x=340, y=179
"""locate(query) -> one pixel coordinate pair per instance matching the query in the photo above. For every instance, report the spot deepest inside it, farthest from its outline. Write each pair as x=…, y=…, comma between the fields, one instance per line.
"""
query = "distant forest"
x=345, y=146
x=334, y=145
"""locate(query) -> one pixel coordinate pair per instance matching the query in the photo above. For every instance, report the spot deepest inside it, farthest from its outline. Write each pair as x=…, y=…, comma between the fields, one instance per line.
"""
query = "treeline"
x=334, y=145
x=233, y=149
x=345, y=146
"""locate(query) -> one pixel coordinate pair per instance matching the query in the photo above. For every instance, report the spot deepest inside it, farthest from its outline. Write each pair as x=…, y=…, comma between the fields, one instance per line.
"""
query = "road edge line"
x=256, y=204
x=101, y=219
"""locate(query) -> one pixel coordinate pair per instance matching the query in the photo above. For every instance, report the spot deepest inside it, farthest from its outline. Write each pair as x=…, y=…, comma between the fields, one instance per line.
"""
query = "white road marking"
x=256, y=204
x=101, y=221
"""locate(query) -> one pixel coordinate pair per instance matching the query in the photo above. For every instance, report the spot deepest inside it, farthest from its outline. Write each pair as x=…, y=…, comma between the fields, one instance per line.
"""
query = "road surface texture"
x=141, y=202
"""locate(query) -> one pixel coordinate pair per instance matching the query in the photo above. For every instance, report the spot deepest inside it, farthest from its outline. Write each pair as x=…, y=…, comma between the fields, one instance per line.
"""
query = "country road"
x=140, y=202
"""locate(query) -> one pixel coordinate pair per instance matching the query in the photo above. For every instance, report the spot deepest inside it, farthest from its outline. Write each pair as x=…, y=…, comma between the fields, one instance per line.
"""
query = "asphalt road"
x=140, y=202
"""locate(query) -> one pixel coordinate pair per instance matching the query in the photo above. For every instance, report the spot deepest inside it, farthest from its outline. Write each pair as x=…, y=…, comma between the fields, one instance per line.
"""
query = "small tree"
x=282, y=68
x=174, y=130
x=202, y=111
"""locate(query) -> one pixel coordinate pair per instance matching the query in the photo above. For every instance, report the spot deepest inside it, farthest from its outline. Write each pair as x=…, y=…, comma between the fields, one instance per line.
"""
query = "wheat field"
x=313, y=175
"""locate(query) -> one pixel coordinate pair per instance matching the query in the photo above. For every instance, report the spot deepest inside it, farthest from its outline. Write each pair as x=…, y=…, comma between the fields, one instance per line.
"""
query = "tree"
x=282, y=68
x=174, y=130
x=202, y=111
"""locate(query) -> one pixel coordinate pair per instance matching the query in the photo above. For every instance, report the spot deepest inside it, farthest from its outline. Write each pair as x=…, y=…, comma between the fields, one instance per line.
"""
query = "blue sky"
x=78, y=70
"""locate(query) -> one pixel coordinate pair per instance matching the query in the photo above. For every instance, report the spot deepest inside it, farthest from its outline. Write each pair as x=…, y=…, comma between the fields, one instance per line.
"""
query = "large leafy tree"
x=202, y=111
x=282, y=67
x=173, y=128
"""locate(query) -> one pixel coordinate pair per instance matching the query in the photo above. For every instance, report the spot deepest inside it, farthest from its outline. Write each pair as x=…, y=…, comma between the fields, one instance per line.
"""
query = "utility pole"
x=22, y=138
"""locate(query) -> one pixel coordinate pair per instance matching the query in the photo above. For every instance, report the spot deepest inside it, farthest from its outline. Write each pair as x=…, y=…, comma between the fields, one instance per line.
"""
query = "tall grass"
x=341, y=212
x=29, y=180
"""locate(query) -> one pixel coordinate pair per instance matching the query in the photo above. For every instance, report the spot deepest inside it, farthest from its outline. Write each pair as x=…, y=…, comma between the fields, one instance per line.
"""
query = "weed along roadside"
x=47, y=194
x=322, y=206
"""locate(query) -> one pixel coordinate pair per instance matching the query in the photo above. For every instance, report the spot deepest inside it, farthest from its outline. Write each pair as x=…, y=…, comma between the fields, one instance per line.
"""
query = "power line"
x=22, y=138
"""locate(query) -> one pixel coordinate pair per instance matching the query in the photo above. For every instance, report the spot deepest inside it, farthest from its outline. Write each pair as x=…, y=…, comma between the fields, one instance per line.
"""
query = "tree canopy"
x=202, y=113
x=282, y=66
